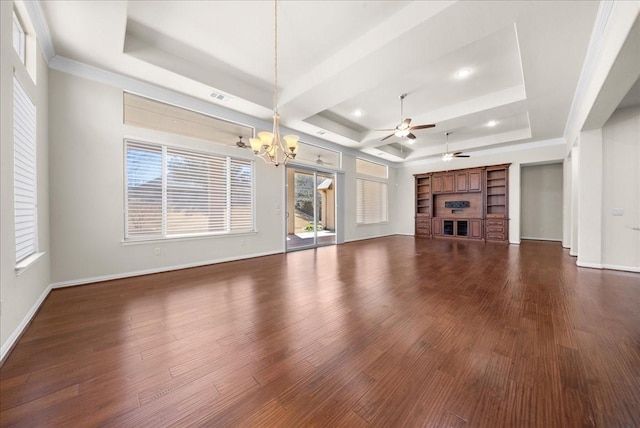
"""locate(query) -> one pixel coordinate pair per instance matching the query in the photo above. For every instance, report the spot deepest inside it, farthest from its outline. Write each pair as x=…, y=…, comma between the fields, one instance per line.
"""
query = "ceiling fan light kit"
x=404, y=129
x=447, y=156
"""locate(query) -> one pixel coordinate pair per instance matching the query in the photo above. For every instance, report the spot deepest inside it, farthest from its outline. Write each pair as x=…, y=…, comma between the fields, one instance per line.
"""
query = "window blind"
x=175, y=192
x=24, y=172
x=371, y=200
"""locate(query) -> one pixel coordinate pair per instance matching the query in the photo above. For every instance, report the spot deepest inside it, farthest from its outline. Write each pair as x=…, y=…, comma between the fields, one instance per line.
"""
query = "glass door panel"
x=310, y=209
x=325, y=209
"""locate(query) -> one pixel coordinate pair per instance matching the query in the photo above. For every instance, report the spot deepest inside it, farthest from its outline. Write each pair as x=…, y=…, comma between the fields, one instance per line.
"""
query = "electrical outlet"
x=616, y=211
x=157, y=251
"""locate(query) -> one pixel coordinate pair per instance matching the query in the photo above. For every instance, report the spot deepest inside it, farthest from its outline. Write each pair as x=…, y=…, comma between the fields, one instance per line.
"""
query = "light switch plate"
x=616, y=211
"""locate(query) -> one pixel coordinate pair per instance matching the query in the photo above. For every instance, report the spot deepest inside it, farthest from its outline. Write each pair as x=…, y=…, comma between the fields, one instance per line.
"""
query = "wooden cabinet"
x=468, y=203
x=443, y=183
x=437, y=226
x=475, y=229
x=457, y=228
x=462, y=182
x=496, y=193
x=496, y=229
x=475, y=181
x=424, y=205
x=423, y=225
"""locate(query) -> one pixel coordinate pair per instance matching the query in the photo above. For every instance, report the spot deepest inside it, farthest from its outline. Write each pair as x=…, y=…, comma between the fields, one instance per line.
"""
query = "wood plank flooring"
x=386, y=332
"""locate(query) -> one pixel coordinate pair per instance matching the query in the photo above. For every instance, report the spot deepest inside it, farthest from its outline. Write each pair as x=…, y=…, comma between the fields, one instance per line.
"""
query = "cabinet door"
x=475, y=229
x=436, y=184
x=475, y=181
x=448, y=183
x=462, y=184
x=436, y=226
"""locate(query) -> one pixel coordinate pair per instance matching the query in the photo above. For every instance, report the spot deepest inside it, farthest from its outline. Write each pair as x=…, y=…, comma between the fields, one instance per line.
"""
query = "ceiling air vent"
x=221, y=97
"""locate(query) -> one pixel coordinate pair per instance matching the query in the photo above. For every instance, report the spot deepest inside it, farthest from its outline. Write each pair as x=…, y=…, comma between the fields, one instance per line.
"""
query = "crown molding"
x=40, y=26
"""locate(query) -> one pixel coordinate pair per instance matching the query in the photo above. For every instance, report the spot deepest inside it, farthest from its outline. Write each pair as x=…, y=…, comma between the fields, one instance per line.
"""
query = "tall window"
x=24, y=173
x=174, y=192
x=371, y=192
x=19, y=38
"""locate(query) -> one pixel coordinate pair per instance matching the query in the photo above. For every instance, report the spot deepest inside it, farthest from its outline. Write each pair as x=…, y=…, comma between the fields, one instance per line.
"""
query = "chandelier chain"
x=275, y=54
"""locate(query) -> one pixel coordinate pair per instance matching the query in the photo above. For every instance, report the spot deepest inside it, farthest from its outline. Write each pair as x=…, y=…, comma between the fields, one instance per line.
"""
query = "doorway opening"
x=311, y=208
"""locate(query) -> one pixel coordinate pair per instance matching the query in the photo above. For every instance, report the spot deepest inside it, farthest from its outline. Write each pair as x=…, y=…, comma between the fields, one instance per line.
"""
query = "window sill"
x=382, y=223
x=185, y=238
x=23, y=264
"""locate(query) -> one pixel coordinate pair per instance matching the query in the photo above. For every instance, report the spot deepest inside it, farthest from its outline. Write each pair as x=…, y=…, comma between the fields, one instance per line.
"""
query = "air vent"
x=221, y=97
x=321, y=132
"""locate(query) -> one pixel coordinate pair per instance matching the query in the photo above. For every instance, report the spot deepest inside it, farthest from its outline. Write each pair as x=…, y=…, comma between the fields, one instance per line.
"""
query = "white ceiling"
x=338, y=56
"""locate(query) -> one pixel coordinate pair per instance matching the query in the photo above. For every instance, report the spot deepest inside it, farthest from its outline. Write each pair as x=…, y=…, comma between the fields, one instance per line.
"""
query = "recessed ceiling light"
x=463, y=73
x=357, y=113
x=492, y=123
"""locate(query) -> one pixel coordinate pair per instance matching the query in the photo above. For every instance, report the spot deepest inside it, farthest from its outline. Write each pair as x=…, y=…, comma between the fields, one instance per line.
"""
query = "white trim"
x=589, y=265
x=515, y=242
x=572, y=254
x=17, y=332
x=40, y=26
x=589, y=65
x=541, y=239
x=370, y=237
x=102, y=278
x=23, y=264
x=635, y=269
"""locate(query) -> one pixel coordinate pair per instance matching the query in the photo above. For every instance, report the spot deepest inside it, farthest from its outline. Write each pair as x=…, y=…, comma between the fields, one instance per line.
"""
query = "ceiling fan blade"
x=407, y=122
x=461, y=156
x=413, y=128
x=388, y=136
x=410, y=135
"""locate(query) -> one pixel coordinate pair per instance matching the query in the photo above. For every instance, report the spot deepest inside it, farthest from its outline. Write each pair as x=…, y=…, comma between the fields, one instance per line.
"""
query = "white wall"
x=547, y=151
x=87, y=193
x=542, y=202
x=20, y=294
x=590, y=199
x=621, y=189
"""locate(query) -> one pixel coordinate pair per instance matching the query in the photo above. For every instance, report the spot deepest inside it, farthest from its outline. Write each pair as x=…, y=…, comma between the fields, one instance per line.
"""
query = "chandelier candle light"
x=269, y=145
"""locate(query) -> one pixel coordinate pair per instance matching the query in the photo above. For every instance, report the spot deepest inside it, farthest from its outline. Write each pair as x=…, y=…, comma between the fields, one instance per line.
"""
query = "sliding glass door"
x=311, y=208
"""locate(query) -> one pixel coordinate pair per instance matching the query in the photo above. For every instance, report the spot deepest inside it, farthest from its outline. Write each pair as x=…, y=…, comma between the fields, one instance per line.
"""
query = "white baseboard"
x=13, y=338
x=588, y=265
x=514, y=242
x=371, y=237
x=635, y=269
x=102, y=278
x=540, y=239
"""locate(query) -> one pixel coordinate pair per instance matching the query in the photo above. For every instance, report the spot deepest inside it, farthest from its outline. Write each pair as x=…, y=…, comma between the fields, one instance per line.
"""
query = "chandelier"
x=269, y=145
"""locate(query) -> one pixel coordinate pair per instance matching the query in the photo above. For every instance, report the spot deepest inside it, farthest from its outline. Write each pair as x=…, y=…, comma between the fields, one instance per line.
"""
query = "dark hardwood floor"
x=387, y=332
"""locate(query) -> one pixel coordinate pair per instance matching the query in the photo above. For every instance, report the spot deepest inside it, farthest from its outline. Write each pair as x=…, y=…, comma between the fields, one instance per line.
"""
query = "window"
x=371, y=192
x=372, y=169
x=24, y=173
x=19, y=43
x=173, y=192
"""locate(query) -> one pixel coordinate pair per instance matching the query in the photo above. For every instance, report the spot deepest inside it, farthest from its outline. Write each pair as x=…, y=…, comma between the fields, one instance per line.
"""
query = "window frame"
x=176, y=237
x=21, y=49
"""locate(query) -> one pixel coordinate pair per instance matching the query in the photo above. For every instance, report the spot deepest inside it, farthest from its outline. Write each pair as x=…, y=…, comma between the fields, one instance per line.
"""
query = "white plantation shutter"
x=371, y=200
x=186, y=193
x=144, y=190
x=241, y=195
x=24, y=173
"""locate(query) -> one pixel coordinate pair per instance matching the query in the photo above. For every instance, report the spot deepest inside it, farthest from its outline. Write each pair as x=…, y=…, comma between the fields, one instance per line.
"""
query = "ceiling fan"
x=447, y=156
x=241, y=143
x=321, y=162
x=405, y=128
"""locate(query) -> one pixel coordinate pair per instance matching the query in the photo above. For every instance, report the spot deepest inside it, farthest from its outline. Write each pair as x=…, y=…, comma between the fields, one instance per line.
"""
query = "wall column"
x=590, y=200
